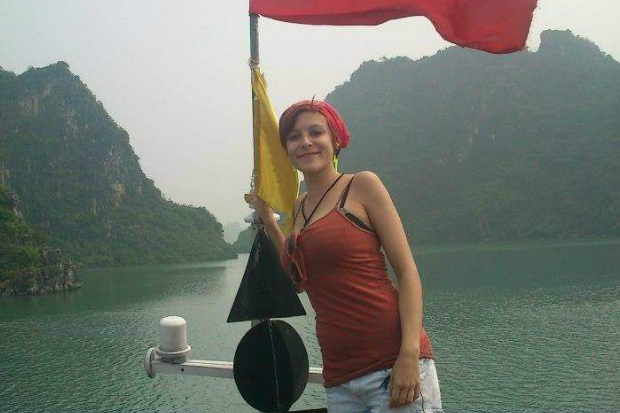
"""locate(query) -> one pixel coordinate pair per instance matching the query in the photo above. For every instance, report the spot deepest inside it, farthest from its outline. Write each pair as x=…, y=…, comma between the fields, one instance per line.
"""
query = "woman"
x=376, y=355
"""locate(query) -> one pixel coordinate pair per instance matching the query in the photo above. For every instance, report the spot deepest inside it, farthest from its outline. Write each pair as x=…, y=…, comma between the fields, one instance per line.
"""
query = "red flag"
x=496, y=26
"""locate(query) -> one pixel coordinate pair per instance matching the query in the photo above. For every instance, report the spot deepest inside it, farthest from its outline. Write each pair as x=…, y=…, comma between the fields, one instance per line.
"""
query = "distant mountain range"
x=474, y=146
x=232, y=230
x=471, y=146
x=79, y=181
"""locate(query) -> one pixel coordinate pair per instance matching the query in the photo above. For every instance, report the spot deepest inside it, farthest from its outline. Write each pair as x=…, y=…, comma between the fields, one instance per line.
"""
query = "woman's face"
x=310, y=145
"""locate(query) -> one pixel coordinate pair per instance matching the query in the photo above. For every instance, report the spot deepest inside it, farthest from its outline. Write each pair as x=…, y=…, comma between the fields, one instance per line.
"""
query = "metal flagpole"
x=254, y=38
x=254, y=62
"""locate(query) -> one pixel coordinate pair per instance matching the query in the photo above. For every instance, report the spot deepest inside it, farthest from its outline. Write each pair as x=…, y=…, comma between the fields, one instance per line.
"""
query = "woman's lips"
x=306, y=155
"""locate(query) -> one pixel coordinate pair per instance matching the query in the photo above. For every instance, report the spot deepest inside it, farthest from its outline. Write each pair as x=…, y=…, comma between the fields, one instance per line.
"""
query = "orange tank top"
x=356, y=304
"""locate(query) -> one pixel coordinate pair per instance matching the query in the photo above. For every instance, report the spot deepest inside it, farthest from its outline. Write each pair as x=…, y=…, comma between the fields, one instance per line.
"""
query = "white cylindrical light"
x=173, y=338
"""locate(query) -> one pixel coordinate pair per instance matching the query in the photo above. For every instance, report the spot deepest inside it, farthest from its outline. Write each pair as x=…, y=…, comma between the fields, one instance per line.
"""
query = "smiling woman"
x=376, y=355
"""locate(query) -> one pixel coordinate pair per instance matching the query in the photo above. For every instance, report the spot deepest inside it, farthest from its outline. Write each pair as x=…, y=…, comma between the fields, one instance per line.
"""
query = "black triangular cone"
x=265, y=290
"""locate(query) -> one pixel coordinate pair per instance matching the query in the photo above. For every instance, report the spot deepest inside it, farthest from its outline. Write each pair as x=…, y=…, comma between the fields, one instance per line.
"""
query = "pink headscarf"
x=335, y=122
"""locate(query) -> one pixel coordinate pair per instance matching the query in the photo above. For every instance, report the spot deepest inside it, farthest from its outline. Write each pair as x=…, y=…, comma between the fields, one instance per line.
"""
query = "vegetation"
x=27, y=264
x=474, y=146
x=80, y=182
x=19, y=247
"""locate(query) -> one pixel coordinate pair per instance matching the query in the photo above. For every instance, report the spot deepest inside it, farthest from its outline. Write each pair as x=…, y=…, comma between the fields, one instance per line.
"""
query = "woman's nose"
x=305, y=139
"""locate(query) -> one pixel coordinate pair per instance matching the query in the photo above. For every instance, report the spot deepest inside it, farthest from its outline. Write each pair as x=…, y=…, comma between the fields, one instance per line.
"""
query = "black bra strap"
x=349, y=215
x=345, y=193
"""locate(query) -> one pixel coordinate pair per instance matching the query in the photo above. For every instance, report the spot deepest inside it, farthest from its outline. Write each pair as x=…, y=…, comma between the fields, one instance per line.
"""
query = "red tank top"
x=356, y=304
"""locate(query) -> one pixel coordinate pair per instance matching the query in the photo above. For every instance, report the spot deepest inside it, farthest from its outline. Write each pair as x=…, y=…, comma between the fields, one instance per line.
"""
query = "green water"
x=517, y=327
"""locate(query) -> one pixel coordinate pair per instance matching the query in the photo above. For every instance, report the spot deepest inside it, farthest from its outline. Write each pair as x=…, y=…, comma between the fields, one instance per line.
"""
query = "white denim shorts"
x=370, y=393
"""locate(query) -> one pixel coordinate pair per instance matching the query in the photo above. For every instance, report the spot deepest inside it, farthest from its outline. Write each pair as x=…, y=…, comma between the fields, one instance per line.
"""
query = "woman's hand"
x=262, y=209
x=265, y=213
x=405, y=381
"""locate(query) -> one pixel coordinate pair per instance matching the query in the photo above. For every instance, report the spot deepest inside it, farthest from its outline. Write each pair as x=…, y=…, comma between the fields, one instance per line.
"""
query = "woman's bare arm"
x=386, y=222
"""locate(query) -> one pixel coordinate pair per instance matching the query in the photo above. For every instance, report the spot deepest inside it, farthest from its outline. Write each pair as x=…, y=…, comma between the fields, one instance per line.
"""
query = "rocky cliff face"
x=80, y=182
x=27, y=265
x=57, y=272
x=55, y=275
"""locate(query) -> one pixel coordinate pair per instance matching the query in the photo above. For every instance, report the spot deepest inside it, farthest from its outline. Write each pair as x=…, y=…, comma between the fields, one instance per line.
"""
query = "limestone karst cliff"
x=80, y=182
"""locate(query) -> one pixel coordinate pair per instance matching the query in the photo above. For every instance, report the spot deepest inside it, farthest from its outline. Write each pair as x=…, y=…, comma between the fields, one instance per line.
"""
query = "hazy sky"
x=174, y=74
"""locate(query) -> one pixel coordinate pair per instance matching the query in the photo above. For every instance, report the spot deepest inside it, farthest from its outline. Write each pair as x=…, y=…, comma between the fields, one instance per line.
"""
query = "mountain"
x=80, y=182
x=244, y=241
x=27, y=265
x=474, y=146
x=232, y=230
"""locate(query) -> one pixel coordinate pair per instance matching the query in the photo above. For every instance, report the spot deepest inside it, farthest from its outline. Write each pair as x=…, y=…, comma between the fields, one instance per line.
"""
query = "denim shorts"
x=370, y=393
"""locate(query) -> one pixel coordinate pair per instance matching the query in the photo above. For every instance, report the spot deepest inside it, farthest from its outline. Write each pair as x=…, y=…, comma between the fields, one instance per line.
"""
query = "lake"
x=516, y=327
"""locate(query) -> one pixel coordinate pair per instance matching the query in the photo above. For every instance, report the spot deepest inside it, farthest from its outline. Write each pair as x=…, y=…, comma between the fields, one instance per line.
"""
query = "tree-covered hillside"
x=475, y=146
x=27, y=265
x=80, y=181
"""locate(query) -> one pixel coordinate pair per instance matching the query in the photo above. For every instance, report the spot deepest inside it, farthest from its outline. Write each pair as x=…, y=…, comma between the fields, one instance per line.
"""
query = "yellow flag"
x=276, y=181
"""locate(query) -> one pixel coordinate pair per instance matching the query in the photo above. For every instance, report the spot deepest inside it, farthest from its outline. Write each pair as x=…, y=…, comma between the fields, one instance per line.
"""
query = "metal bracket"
x=154, y=364
x=148, y=362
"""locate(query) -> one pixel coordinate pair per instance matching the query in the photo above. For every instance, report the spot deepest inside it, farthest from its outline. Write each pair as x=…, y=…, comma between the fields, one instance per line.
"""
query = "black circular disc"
x=266, y=384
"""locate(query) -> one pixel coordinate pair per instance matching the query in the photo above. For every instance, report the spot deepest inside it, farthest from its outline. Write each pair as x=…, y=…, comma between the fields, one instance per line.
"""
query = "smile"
x=306, y=155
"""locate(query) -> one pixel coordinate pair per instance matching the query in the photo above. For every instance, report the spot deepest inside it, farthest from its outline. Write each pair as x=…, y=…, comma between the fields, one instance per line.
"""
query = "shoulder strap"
x=345, y=193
